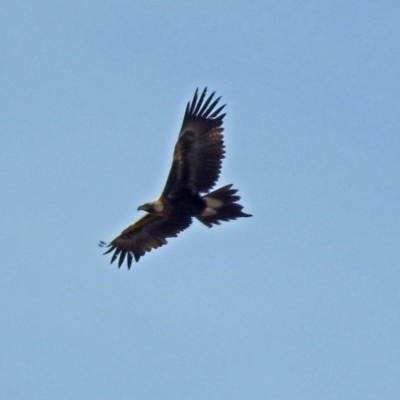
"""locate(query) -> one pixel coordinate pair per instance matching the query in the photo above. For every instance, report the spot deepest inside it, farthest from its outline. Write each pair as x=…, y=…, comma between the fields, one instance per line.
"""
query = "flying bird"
x=196, y=167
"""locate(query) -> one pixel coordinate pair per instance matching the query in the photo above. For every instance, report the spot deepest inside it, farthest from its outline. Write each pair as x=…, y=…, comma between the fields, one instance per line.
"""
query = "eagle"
x=196, y=166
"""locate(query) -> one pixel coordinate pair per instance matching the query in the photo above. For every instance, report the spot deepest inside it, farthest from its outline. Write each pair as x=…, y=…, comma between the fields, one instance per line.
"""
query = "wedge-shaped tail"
x=221, y=206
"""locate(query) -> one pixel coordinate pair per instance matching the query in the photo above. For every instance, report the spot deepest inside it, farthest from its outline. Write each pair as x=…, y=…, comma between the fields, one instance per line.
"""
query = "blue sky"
x=299, y=302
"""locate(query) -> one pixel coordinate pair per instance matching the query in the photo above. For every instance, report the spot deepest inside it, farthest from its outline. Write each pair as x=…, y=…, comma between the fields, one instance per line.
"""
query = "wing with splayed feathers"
x=147, y=233
x=199, y=151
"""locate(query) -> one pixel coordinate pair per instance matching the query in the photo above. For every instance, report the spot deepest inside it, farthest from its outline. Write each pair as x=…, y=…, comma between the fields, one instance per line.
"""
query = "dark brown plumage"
x=196, y=167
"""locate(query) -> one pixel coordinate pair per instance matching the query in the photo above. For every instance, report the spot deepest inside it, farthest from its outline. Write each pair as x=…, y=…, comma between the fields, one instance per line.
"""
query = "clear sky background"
x=299, y=302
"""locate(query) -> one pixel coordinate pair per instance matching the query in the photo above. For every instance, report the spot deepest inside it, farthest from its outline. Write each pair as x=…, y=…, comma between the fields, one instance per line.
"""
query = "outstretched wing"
x=199, y=151
x=149, y=232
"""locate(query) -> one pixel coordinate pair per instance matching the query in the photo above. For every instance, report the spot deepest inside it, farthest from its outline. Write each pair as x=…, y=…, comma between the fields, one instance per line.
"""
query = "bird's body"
x=196, y=166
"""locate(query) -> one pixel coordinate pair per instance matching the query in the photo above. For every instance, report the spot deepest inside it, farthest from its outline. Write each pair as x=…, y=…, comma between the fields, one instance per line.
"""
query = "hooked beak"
x=144, y=207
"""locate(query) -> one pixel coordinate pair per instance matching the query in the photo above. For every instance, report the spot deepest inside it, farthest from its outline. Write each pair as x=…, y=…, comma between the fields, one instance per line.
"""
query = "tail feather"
x=221, y=206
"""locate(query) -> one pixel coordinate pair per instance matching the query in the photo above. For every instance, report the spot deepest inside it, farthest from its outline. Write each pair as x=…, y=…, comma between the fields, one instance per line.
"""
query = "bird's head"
x=154, y=207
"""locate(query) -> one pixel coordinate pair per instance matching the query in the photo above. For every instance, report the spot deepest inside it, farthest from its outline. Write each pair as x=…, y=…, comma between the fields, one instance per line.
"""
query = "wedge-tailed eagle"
x=196, y=166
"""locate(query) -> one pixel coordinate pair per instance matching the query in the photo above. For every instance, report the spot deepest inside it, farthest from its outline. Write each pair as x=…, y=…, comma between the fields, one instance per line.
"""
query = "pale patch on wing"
x=213, y=203
x=208, y=212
